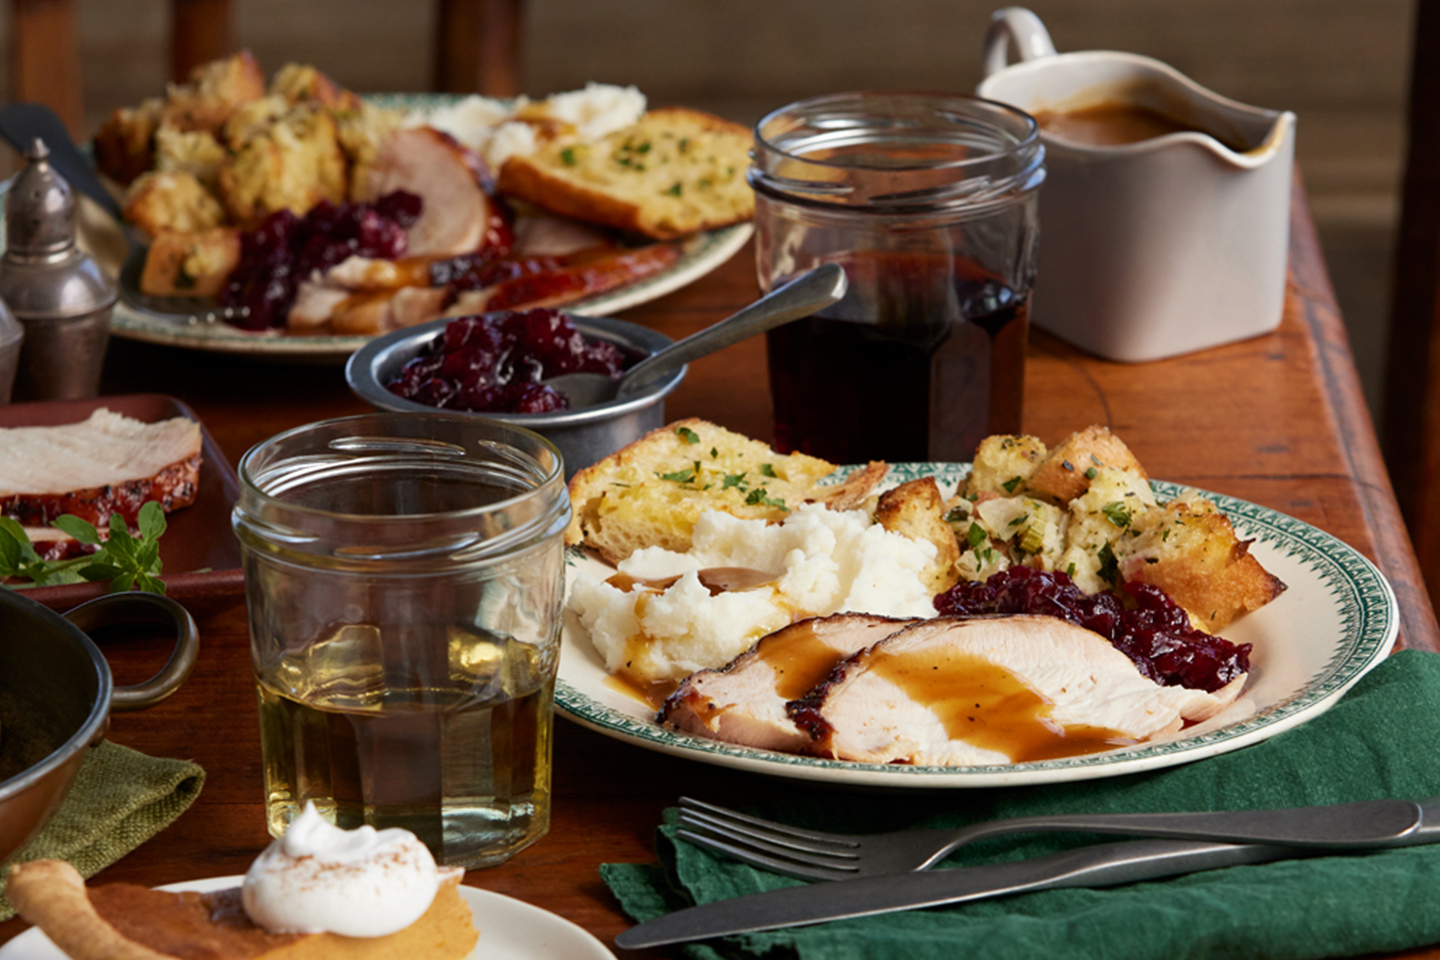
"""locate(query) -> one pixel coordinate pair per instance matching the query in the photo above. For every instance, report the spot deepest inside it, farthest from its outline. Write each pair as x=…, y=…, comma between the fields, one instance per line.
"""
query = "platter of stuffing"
x=324, y=218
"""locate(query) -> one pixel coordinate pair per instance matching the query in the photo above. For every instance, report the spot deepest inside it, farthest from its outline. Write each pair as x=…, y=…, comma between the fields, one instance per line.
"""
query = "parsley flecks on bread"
x=673, y=173
x=651, y=493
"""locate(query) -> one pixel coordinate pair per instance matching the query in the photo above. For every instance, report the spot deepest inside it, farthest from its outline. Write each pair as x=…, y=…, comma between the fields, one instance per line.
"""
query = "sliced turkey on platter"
x=744, y=701
x=992, y=690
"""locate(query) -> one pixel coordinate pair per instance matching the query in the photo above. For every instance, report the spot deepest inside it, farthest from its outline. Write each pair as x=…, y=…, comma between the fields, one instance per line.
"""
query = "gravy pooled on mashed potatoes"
x=817, y=562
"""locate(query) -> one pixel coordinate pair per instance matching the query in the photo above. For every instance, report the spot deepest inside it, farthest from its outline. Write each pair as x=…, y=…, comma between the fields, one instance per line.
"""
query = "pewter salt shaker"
x=55, y=290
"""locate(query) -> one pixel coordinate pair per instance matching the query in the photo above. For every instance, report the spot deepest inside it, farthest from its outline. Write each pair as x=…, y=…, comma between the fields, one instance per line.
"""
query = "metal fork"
x=21, y=124
x=816, y=855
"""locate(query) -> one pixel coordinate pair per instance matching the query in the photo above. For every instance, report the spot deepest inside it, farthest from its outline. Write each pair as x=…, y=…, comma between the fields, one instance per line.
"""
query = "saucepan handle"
x=139, y=607
x=1023, y=27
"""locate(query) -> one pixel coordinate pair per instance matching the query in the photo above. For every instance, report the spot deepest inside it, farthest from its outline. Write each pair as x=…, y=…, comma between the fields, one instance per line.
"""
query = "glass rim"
x=1031, y=137
x=1011, y=168
x=250, y=484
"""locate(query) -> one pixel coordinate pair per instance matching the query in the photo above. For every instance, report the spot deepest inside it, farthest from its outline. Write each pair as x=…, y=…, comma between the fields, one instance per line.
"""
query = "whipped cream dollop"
x=319, y=878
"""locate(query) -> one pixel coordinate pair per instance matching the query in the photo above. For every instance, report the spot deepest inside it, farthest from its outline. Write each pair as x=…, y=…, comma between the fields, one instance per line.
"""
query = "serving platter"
x=1337, y=620
x=510, y=929
x=101, y=237
x=699, y=255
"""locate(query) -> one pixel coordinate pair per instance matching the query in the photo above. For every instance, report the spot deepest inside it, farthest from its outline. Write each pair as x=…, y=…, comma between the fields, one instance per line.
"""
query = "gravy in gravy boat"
x=1114, y=123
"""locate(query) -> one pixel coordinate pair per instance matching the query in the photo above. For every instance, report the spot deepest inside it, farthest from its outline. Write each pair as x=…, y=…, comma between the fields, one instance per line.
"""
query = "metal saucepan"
x=56, y=695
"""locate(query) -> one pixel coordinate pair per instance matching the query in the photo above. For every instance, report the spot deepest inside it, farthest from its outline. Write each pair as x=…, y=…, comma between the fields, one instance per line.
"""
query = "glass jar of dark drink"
x=929, y=202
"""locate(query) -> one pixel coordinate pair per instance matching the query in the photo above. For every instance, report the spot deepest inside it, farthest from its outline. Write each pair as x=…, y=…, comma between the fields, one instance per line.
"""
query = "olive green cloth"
x=1381, y=740
x=120, y=799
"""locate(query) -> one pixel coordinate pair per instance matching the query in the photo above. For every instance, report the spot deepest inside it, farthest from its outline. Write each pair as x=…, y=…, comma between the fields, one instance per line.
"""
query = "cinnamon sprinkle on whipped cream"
x=319, y=878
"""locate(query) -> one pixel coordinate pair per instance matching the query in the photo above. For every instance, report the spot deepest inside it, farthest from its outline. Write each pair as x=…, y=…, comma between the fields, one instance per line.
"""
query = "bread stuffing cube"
x=301, y=83
x=171, y=201
x=124, y=145
x=195, y=152
x=294, y=164
x=213, y=92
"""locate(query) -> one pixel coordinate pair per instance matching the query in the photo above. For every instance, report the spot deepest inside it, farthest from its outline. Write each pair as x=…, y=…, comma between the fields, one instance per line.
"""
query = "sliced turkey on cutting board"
x=992, y=690
x=744, y=701
x=106, y=464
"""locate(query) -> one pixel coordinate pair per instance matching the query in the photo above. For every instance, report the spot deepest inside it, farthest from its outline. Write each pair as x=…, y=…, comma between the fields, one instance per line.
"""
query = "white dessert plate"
x=1337, y=620
x=510, y=929
x=102, y=238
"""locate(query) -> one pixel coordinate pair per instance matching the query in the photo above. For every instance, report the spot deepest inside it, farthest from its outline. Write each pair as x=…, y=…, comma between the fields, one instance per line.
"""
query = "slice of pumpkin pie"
x=319, y=893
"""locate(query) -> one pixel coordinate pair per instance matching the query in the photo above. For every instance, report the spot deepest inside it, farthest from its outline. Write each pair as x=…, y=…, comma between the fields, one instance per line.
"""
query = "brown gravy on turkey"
x=988, y=706
x=800, y=660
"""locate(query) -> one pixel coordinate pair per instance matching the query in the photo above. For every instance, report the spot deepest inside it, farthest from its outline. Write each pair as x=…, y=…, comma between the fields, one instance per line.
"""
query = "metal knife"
x=1101, y=865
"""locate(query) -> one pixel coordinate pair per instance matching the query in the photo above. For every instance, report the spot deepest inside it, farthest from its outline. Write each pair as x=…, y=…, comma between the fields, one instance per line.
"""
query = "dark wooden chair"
x=1411, y=419
x=477, y=48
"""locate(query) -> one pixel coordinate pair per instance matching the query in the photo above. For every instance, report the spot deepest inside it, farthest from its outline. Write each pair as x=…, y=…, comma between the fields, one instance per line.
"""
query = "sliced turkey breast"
x=992, y=690
x=546, y=235
x=744, y=701
x=459, y=215
x=107, y=464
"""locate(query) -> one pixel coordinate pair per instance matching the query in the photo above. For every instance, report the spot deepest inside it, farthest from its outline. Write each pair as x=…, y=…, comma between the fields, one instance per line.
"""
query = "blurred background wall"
x=1342, y=65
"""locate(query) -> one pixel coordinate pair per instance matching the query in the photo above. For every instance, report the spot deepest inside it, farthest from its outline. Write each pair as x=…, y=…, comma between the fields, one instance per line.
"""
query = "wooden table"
x=1278, y=420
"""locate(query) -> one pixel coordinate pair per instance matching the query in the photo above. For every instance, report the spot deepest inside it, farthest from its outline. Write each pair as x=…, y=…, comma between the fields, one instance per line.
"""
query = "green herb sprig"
x=124, y=561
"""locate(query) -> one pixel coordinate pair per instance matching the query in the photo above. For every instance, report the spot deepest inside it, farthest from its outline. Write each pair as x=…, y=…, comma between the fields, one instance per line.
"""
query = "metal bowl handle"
x=138, y=607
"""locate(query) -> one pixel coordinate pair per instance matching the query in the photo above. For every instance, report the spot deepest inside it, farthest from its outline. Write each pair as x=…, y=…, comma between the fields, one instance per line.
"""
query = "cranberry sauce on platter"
x=285, y=250
x=1155, y=632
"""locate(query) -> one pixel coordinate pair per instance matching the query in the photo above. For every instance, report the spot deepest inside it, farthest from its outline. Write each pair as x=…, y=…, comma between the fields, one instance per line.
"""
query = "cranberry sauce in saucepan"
x=1155, y=633
x=493, y=362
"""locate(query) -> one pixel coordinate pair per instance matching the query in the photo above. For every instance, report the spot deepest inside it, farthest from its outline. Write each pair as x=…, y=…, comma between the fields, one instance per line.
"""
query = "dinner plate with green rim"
x=99, y=235
x=1336, y=620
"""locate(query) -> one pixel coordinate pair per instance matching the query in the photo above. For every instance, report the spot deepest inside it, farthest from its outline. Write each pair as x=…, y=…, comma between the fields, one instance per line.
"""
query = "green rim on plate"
x=1339, y=622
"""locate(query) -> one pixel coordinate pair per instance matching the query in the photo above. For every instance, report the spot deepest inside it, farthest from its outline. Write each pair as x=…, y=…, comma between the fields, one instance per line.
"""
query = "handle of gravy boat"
x=1021, y=26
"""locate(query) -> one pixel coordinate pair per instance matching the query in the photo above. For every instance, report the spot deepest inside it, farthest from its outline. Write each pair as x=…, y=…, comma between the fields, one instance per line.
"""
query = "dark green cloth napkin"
x=1381, y=740
x=120, y=799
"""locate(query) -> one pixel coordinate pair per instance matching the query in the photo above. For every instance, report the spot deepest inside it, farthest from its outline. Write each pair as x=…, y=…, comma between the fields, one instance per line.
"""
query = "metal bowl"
x=584, y=435
x=56, y=695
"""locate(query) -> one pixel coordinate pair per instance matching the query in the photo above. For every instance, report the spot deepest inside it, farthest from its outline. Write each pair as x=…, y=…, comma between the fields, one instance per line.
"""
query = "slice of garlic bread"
x=675, y=172
x=651, y=493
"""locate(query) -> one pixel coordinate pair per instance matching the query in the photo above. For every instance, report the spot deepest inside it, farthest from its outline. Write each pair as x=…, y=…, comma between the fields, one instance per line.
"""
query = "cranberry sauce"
x=922, y=366
x=493, y=362
x=1155, y=633
x=284, y=250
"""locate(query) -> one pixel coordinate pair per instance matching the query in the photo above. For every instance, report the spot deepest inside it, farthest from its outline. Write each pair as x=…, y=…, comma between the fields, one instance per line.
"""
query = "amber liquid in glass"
x=459, y=758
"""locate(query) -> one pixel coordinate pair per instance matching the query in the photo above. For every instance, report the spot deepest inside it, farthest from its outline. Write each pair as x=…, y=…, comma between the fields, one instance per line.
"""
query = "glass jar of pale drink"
x=404, y=577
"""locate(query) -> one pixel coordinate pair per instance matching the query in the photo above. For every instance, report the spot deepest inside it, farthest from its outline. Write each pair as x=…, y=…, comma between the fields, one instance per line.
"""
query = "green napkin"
x=120, y=799
x=1381, y=740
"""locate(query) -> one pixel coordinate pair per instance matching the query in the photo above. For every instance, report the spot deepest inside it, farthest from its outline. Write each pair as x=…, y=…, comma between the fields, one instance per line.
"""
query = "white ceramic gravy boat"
x=1160, y=247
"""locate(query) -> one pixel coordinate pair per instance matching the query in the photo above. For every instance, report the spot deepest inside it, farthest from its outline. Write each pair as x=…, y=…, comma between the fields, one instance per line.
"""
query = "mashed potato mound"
x=501, y=129
x=825, y=562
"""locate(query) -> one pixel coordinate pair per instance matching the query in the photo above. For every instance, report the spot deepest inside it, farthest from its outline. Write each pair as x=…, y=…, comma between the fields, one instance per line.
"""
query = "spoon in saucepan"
x=21, y=124
x=804, y=295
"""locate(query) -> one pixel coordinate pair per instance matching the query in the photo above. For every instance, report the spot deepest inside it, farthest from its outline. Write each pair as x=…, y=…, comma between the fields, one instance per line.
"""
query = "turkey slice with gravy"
x=744, y=701
x=992, y=690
